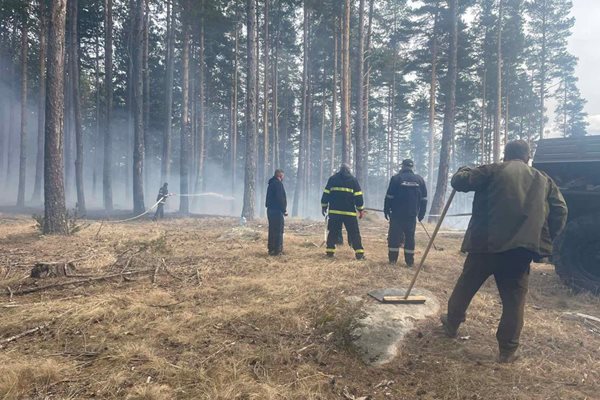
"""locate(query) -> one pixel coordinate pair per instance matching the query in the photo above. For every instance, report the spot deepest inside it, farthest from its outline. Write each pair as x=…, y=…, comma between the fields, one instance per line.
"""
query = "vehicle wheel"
x=577, y=254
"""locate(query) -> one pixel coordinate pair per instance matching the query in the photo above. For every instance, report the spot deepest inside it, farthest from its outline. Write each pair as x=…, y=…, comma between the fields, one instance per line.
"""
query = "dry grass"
x=227, y=322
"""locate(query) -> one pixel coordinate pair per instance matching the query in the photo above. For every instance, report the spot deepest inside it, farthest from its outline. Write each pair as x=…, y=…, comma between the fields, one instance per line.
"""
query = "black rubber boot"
x=507, y=356
x=410, y=260
x=360, y=256
x=451, y=331
x=393, y=257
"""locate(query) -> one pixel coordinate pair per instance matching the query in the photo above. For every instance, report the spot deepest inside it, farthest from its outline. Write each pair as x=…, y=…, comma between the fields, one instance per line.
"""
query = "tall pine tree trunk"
x=302, y=150
x=74, y=70
x=138, y=107
x=146, y=93
x=165, y=169
x=449, y=113
x=367, y=94
x=199, y=185
x=346, y=83
x=233, y=135
x=248, y=209
x=39, y=163
x=24, y=117
x=266, y=163
x=55, y=221
x=483, y=113
x=186, y=135
x=334, y=94
x=498, y=118
x=543, y=59
x=432, y=95
x=360, y=156
x=108, y=88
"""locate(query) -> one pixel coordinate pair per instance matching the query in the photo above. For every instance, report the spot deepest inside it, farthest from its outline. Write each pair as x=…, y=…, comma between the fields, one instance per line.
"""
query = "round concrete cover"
x=381, y=331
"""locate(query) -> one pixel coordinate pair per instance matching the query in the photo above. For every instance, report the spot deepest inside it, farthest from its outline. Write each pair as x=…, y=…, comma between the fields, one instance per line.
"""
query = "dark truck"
x=574, y=164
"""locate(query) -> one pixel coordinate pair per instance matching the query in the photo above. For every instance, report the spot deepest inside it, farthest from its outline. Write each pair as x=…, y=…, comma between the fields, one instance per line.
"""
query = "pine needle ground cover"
x=194, y=309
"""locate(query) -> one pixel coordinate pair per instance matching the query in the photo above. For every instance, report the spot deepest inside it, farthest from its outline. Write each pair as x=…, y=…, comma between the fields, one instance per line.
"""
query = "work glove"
x=421, y=217
x=361, y=214
x=386, y=215
x=324, y=211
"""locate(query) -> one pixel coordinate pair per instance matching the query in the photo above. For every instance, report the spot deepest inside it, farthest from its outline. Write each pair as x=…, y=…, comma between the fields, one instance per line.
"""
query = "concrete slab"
x=380, y=333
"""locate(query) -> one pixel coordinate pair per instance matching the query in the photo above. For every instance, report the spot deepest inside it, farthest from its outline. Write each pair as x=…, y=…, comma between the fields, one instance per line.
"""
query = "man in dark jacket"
x=163, y=193
x=344, y=199
x=276, y=204
x=405, y=201
x=517, y=213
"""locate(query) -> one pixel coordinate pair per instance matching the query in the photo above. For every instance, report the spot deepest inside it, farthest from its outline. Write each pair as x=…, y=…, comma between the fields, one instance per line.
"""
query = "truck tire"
x=577, y=254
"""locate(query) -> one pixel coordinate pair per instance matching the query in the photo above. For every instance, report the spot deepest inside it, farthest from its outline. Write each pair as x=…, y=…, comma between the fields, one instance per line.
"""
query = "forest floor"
x=195, y=309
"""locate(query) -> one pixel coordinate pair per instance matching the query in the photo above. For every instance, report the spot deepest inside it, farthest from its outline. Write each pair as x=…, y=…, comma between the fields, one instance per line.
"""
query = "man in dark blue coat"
x=405, y=201
x=276, y=204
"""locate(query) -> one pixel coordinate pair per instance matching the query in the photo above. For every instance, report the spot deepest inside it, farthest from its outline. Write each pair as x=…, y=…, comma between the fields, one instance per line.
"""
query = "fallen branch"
x=25, y=333
x=583, y=316
x=87, y=280
x=28, y=332
x=154, y=274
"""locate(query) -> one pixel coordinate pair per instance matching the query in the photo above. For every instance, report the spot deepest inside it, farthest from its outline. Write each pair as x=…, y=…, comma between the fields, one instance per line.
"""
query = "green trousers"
x=511, y=272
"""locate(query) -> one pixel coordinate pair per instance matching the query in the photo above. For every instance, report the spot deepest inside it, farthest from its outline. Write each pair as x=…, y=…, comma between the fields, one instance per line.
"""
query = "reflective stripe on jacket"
x=343, y=195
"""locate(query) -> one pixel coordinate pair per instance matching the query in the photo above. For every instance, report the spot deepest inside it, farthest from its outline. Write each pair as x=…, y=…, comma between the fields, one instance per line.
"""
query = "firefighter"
x=517, y=212
x=163, y=193
x=276, y=204
x=405, y=201
x=343, y=201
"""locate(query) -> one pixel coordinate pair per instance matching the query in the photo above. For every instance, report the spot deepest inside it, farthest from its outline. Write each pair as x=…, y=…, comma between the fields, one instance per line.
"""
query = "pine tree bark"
x=302, y=148
x=39, y=163
x=275, y=93
x=55, y=221
x=97, y=131
x=266, y=139
x=78, y=128
x=138, y=107
x=108, y=88
x=449, y=113
x=199, y=186
x=334, y=94
x=483, y=113
x=543, y=60
x=146, y=92
x=498, y=119
x=186, y=134
x=234, y=111
x=360, y=156
x=165, y=170
x=367, y=94
x=23, y=146
x=248, y=209
x=346, y=83
x=432, y=95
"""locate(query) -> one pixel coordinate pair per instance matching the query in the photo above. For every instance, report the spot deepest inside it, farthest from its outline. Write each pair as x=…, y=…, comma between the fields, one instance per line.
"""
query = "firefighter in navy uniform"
x=276, y=204
x=163, y=193
x=405, y=201
x=343, y=201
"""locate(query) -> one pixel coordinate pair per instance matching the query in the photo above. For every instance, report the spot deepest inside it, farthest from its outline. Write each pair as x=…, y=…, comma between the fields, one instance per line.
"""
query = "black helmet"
x=408, y=164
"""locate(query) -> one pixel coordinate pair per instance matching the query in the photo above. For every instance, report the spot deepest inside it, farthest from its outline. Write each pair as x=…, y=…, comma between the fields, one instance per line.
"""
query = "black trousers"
x=160, y=211
x=276, y=225
x=511, y=271
x=402, y=231
x=334, y=227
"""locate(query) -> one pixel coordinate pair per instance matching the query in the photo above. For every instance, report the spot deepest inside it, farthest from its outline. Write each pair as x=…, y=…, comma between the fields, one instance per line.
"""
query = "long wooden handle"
x=435, y=232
